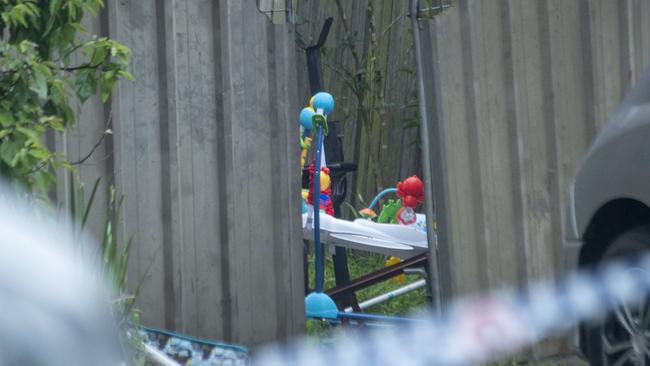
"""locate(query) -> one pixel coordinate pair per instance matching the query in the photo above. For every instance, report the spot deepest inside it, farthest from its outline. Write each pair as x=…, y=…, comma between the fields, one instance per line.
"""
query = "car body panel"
x=617, y=165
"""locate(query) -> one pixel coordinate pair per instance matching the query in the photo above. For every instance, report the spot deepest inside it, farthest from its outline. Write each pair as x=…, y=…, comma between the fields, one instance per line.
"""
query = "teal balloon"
x=324, y=101
x=305, y=118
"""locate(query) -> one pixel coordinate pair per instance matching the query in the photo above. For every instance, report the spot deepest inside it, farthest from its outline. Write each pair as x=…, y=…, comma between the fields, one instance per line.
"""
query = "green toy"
x=388, y=212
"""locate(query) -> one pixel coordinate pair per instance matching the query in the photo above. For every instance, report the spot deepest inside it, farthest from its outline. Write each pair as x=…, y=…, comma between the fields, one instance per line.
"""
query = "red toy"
x=325, y=190
x=411, y=191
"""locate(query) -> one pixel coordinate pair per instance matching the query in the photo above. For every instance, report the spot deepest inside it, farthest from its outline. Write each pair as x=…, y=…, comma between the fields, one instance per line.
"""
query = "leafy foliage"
x=47, y=57
x=113, y=255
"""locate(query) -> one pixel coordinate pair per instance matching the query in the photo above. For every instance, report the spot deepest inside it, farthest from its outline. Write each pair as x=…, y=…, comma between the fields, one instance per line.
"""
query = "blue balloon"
x=305, y=117
x=324, y=101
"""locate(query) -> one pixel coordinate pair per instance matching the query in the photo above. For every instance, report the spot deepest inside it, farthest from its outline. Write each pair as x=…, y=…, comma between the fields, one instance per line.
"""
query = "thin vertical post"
x=434, y=275
x=318, y=255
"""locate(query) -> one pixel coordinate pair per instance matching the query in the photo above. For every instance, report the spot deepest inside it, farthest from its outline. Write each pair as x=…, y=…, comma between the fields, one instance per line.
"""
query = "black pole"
x=314, y=64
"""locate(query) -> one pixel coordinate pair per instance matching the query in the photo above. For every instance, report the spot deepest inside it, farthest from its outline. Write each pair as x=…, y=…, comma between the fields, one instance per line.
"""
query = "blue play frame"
x=319, y=305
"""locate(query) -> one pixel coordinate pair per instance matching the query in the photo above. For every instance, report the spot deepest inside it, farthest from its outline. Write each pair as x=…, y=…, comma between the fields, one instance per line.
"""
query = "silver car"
x=609, y=218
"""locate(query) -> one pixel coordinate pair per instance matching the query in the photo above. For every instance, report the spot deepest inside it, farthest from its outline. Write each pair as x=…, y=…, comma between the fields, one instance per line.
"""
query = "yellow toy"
x=399, y=279
x=325, y=181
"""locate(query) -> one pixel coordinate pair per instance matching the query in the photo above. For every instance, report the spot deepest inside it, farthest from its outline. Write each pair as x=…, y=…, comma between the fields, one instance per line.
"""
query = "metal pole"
x=426, y=160
x=379, y=318
x=389, y=295
x=157, y=357
x=318, y=249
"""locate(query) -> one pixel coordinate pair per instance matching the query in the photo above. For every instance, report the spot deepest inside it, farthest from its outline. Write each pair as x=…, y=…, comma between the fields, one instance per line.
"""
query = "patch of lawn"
x=359, y=264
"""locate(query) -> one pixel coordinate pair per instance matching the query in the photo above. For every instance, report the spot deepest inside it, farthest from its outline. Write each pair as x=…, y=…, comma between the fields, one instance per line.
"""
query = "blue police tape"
x=480, y=328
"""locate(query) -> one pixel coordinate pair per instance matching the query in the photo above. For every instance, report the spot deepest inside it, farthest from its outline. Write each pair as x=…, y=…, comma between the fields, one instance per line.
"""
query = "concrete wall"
x=204, y=148
x=517, y=90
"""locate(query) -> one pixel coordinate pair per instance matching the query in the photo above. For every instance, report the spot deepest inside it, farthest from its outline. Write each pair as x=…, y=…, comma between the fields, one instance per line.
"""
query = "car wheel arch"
x=609, y=221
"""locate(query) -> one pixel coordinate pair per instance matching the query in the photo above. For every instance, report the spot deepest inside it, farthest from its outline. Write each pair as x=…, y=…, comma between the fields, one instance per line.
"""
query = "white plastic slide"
x=391, y=239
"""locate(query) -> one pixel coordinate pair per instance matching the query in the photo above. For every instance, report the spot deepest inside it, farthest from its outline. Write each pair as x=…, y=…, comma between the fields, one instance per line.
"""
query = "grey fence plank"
x=204, y=144
x=524, y=87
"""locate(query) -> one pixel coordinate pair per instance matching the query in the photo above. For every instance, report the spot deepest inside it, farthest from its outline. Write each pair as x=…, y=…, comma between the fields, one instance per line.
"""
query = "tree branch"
x=80, y=67
x=346, y=27
x=106, y=132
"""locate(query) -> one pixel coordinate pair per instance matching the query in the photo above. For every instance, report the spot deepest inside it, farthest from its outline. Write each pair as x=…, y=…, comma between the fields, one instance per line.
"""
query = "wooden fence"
x=204, y=141
x=204, y=147
x=517, y=90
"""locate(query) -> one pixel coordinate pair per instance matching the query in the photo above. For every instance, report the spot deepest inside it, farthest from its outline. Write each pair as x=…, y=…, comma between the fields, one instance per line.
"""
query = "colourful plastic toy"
x=305, y=145
x=325, y=201
x=411, y=191
x=323, y=103
x=399, y=279
x=361, y=233
x=368, y=213
x=388, y=214
x=305, y=118
x=303, y=206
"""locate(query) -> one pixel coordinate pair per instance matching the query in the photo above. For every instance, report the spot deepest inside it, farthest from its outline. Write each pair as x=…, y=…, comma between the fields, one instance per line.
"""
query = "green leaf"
x=54, y=122
x=123, y=265
x=55, y=6
x=72, y=10
x=85, y=84
x=40, y=154
x=68, y=114
x=24, y=46
x=44, y=180
x=90, y=203
x=6, y=118
x=125, y=74
x=99, y=55
x=9, y=150
x=31, y=134
x=40, y=85
x=22, y=152
x=79, y=27
x=73, y=197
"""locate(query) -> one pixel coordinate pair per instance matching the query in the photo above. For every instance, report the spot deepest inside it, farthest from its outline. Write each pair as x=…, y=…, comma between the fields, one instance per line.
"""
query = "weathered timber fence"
x=204, y=147
x=516, y=91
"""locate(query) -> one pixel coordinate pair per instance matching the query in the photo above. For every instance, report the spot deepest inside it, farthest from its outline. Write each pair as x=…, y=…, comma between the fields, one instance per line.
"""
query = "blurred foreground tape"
x=482, y=328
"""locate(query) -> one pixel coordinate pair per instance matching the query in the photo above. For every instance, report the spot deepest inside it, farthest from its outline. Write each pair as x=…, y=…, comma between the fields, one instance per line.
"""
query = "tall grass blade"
x=89, y=204
x=73, y=200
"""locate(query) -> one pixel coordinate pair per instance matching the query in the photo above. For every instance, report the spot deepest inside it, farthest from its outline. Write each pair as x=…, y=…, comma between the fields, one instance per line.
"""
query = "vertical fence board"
x=524, y=99
x=204, y=143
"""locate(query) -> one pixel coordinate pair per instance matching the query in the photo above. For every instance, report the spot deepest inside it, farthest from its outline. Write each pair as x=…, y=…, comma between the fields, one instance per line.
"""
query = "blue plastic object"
x=380, y=195
x=305, y=118
x=186, y=350
x=377, y=318
x=303, y=206
x=319, y=305
x=323, y=101
x=318, y=248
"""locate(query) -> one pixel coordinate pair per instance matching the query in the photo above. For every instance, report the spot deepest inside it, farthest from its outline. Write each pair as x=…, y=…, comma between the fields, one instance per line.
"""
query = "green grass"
x=359, y=264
